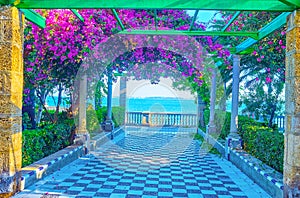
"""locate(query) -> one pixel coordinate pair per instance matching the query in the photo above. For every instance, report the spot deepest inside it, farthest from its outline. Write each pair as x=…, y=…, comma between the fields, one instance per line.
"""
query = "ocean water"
x=173, y=105
x=155, y=104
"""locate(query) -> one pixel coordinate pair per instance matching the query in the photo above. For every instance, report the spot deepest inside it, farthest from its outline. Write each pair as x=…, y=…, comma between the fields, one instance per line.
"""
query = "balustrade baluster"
x=170, y=119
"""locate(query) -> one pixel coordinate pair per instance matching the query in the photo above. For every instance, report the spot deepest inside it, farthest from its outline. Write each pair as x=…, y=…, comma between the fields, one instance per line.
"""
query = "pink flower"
x=257, y=79
x=280, y=42
x=63, y=58
x=229, y=67
x=227, y=53
x=268, y=80
x=270, y=42
x=278, y=69
x=26, y=91
x=258, y=60
x=254, y=53
x=29, y=69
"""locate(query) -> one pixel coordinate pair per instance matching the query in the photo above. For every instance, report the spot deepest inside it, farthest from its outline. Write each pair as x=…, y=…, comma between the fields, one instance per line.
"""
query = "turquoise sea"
x=173, y=105
x=153, y=104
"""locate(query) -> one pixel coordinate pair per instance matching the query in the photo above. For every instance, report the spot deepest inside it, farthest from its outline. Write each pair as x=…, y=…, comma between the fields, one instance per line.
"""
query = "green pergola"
x=13, y=65
x=284, y=6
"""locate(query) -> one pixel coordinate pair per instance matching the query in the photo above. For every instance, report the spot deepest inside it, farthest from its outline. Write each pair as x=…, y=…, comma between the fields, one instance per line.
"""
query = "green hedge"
x=50, y=138
x=44, y=141
x=267, y=144
x=264, y=143
x=222, y=121
x=95, y=118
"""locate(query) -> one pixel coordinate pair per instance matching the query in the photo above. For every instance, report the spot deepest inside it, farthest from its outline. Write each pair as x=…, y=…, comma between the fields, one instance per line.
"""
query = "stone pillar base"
x=232, y=143
x=291, y=191
x=83, y=139
x=9, y=184
x=212, y=129
x=108, y=126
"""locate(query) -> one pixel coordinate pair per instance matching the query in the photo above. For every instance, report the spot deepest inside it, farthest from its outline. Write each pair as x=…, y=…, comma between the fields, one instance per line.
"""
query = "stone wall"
x=292, y=97
x=11, y=88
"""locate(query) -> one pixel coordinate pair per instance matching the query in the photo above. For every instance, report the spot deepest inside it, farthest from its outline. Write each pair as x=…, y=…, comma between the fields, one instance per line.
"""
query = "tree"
x=54, y=54
x=262, y=70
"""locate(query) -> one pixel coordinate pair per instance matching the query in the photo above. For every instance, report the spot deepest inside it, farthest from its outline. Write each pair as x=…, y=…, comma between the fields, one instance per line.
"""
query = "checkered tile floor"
x=148, y=163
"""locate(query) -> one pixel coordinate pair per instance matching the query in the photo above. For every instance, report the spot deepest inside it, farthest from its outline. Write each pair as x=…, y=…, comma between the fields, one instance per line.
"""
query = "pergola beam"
x=155, y=18
x=265, y=31
x=295, y=3
x=77, y=15
x=193, y=20
x=34, y=17
x=229, y=23
x=118, y=19
x=191, y=33
x=273, y=25
x=231, y=20
x=229, y=5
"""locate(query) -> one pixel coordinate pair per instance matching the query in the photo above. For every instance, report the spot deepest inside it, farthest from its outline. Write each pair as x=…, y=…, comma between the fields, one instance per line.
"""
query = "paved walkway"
x=148, y=163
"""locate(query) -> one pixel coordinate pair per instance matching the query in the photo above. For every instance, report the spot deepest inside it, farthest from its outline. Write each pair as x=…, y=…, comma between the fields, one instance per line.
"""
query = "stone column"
x=82, y=136
x=212, y=126
x=109, y=123
x=200, y=113
x=292, y=108
x=122, y=98
x=109, y=96
x=233, y=139
x=11, y=90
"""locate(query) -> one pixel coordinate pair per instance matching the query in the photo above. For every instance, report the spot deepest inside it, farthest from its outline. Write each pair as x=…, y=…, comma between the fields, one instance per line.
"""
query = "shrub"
x=266, y=144
x=222, y=121
x=95, y=118
x=33, y=145
x=46, y=140
x=93, y=121
x=118, y=115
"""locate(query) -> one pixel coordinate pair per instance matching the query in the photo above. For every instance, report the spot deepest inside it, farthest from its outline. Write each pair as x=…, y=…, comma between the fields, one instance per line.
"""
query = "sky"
x=203, y=15
x=143, y=88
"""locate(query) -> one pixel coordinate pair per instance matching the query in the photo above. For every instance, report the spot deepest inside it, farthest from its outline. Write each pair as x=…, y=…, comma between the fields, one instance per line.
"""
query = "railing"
x=161, y=119
x=279, y=120
x=54, y=108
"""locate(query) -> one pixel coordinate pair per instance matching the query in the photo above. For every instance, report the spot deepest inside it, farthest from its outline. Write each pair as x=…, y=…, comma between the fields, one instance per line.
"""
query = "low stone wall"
x=271, y=185
x=104, y=137
x=48, y=165
x=42, y=168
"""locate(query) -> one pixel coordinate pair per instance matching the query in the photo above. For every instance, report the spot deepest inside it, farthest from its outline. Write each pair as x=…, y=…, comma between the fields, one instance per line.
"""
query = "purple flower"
x=29, y=69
